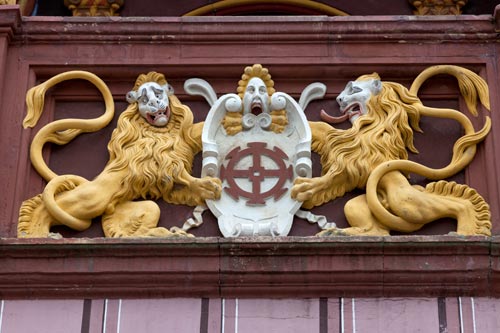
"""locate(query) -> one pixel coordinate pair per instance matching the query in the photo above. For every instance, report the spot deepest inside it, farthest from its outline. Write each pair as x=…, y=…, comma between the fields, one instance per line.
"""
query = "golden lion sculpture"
x=151, y=152
x=373, y=154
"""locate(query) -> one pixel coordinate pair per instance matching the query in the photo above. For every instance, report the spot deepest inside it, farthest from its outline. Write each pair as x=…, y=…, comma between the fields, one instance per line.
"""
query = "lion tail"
x=481, y=220
x=27, y=227
x=472, y=86
x=64, y=130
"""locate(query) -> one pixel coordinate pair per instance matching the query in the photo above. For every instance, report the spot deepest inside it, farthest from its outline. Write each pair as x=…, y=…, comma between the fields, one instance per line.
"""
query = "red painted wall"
x=322, y=284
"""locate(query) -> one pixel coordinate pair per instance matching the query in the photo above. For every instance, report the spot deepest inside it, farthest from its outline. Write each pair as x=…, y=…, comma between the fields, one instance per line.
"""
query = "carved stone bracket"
x=496, y=17
x=94, y=7
x=438, y=7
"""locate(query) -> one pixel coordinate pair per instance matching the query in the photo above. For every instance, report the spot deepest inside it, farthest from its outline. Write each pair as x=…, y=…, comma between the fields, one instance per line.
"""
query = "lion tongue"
x=333, y=120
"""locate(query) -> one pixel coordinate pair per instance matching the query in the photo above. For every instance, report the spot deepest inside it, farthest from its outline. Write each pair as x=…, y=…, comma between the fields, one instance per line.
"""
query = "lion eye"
x=159, y=95
x=356, y=90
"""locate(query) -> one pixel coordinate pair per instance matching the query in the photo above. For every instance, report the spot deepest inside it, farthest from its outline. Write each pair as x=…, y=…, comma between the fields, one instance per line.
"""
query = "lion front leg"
x=136, y=219
x=194, y=191
x=313, y=191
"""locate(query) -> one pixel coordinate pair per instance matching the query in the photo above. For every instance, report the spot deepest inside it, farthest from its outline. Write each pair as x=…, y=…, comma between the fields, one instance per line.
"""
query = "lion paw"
x=208, y=188
x=164, y=232
x=305, y=188
x=178, y=232
x=332, y=232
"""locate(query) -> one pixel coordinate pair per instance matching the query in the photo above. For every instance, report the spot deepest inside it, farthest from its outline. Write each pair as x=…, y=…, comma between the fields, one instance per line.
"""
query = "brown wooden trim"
x=211, y=267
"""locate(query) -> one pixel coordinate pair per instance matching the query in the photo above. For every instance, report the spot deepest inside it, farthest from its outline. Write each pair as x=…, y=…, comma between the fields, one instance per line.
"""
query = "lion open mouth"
x=158, y=118
x=351, y=111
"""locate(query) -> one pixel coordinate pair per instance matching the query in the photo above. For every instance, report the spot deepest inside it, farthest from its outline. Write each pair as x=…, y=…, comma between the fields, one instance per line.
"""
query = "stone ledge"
x=410, y=266
x=258, y=30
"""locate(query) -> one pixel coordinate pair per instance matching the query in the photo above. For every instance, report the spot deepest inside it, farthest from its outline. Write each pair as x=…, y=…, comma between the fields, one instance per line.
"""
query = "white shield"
x=257, y=167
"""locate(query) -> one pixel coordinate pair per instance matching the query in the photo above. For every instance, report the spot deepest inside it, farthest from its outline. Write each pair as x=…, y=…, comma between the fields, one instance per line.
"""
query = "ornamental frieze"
x=256, y=146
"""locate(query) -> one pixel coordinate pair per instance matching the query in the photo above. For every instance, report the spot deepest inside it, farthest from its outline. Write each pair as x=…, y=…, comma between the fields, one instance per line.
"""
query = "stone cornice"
x=251, y=267
x=258, y=30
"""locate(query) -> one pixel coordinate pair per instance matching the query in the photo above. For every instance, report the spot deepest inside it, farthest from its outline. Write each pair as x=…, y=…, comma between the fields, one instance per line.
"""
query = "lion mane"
x=384, y=133
x=149, y=153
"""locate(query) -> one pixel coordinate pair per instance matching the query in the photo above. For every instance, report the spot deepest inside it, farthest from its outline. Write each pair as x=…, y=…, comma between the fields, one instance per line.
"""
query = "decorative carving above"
x=94, y=7
x=256, y=168
x=438, y=7
x=7, y=2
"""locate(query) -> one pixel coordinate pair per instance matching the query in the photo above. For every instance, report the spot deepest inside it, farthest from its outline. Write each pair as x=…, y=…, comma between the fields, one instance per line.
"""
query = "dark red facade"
x=298, y=50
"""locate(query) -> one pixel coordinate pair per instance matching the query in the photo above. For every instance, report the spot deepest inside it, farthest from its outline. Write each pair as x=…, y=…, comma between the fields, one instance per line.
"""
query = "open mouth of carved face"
x=256, y=106
x=158, y=118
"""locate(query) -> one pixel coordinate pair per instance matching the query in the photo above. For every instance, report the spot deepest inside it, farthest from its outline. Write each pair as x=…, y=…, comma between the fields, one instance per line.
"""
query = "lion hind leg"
x=474, y=217
x=35, y=221
x=136, y=219
x=361, y=221
x=38, y=214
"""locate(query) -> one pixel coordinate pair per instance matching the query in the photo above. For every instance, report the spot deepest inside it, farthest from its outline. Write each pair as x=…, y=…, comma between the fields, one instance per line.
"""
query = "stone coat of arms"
x=257, y=142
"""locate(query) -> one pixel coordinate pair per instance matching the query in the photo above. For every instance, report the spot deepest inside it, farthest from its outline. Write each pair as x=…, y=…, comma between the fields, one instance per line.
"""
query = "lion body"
x=373, y=155
x=146, y=163
x=349, y=156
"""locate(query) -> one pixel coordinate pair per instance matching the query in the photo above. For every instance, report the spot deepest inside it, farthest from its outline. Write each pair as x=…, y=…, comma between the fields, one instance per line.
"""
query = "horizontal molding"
x=257, y=30
x=410, y=266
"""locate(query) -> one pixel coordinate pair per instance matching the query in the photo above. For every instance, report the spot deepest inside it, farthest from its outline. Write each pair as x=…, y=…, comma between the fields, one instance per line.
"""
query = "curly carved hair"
x=255, y=71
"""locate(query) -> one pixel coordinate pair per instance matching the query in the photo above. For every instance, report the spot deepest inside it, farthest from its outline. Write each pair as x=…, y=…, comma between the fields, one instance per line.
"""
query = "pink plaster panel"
x=334, y=315
x=402, y=315
x=160, y=315
x=111, y=315
x=278, y=315
x=487, y=314
x=347, y=320
x=452, y=315
x=214, y=315
x=230, y=315
x=466, y=310
x=94, y=319
x=55, y=316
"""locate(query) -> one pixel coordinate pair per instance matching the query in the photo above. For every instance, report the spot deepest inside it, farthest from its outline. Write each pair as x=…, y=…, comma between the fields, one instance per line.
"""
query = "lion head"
x=152, y=97
x=384, y=116
x=153, y=142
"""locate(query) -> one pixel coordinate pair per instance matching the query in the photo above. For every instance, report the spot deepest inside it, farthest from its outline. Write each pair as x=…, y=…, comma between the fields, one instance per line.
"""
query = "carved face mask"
x=256, y=99
x=153, y=103
x=354, y=98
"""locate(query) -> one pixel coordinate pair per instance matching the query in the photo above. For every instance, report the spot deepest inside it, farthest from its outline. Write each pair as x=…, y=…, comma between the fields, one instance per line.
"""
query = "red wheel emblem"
x=256, y=173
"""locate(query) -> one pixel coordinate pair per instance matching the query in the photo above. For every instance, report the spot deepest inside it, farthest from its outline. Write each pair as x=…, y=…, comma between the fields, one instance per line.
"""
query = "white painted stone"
x=238, y=213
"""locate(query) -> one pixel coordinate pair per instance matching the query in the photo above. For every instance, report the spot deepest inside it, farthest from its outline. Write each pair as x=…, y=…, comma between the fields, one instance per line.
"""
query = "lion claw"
x=332, y=232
